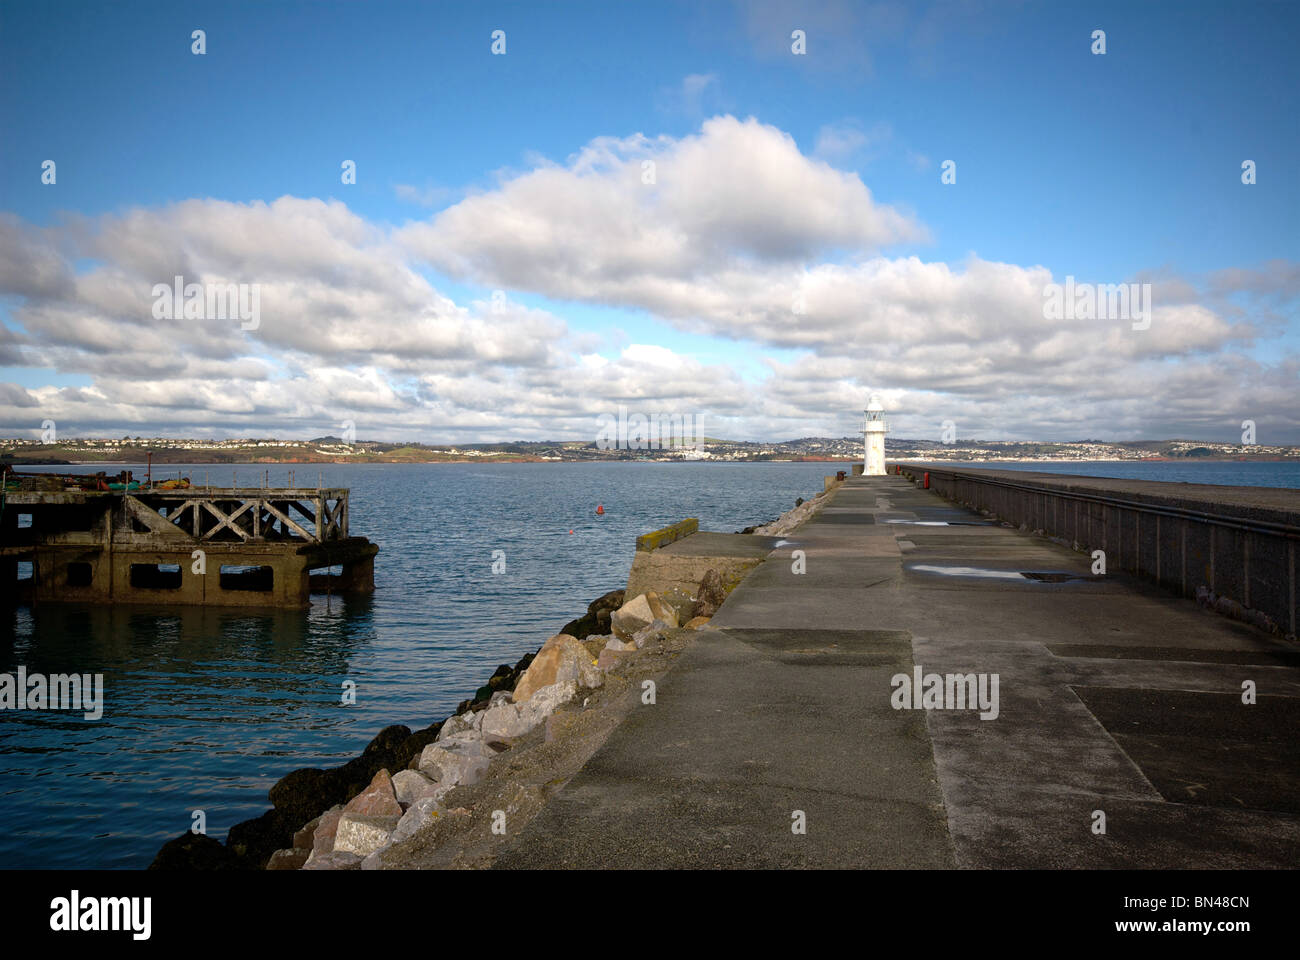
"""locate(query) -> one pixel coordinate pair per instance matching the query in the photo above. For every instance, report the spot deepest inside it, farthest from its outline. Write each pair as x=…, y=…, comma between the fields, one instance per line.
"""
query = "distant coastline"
x=162, y=451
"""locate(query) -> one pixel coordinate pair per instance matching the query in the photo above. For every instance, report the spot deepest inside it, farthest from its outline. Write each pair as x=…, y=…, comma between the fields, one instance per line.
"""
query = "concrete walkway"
x=1114, y=699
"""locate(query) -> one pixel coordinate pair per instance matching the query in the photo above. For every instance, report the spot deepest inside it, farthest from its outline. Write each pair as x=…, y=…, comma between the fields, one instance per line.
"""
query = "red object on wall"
x=927, y=479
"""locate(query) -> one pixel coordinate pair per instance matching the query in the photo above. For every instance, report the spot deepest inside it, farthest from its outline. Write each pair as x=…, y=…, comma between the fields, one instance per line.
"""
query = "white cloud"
x=740, y=237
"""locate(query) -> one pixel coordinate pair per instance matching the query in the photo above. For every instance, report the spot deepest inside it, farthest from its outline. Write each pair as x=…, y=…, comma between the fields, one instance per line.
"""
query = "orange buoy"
x=600, y=509
x=570, y=533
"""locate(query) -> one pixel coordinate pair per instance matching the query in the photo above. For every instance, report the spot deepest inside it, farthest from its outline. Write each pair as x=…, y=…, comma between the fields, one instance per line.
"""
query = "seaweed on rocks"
x=302, y=795
x=597, y=618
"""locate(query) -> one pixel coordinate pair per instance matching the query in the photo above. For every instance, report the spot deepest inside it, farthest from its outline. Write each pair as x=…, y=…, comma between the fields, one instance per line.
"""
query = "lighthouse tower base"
x=874, y=463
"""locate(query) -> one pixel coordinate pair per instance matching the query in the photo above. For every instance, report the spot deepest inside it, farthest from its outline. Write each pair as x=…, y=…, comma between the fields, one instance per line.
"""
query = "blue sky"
x=1108, y=168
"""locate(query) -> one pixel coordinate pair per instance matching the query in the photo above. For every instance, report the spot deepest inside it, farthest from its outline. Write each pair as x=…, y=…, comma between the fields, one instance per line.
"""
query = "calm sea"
x=206, y=709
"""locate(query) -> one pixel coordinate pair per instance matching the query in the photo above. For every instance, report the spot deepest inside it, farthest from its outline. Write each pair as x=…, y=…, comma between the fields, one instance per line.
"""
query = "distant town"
x=335, y=450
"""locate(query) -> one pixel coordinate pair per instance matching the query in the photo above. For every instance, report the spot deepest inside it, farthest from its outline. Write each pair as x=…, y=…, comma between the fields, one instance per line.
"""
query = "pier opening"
x=259, y=579
x=156, y=576
x=79, y=574
x=327, y=579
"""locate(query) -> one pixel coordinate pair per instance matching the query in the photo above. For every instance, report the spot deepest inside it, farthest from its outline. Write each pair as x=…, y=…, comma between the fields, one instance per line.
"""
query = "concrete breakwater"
x=508, y=747
x=1232, y=549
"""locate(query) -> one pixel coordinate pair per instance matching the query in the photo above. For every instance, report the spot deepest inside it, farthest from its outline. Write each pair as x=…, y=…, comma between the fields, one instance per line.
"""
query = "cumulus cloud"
x=736, y=194
x=731, y=232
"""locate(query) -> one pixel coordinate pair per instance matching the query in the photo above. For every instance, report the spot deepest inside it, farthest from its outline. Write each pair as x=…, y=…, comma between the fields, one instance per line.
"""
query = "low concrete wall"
x=675, y=570
x=661, y=538
x=1233, y=548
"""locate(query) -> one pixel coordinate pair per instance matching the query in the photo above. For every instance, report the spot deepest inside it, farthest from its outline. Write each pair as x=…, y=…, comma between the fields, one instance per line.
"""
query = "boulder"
x=634, y=615
x=562, y=659
x=456, y=762
x=377, y=800
x=253, y=841
x=503, y=679
x=303, y=794
x=303, y=838
x=335, y=860
x=662, y=609
x=422, y=813
x=710, y=596
x=620, y=646
x=461, y=725
x=509, y=721
x=363, y=834
x=411, y=785
x=697, y=623
x=648, y=633
x=288, y=859
x=595, y=643
x=323, y=839
x=408, y=754
x=596, y=620
x=194, y=851
x=611, y=659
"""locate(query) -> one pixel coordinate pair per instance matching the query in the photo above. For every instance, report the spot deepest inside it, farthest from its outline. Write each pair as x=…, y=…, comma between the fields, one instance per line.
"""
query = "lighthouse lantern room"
x=873, y=432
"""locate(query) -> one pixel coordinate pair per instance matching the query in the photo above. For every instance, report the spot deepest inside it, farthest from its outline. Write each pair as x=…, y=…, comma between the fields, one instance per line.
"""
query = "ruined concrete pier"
x=184, y=545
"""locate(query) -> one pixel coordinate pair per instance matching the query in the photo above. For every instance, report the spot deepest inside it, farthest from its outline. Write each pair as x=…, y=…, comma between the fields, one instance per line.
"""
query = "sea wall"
x=1233, y=549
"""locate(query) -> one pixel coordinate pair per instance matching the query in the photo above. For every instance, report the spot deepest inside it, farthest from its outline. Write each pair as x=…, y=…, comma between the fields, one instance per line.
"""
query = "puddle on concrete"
x=943, y=523
x=984, y=573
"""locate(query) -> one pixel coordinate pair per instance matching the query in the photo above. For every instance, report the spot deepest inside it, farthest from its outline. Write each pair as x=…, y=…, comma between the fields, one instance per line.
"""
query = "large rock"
x=456, y=762
x=292, y=859
x=634, y=615
x=509, y=721
x=562, y=659
x=411, y=785
x=194, y=851
x=322, y=840
x=460, y=726
x=597, y=617
x=611, y=659
x=253, y=841
x=422, y=813
x=697, y=623
x=302, y=839
x=648, y=633
x=710, y=595
x=303, y=794
x=377, y=800
x=662, y=609
x=362, y=834
x=334, y=860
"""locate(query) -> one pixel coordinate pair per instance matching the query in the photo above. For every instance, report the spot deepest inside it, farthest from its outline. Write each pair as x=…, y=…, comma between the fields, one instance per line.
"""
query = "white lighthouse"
x=873, y=433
